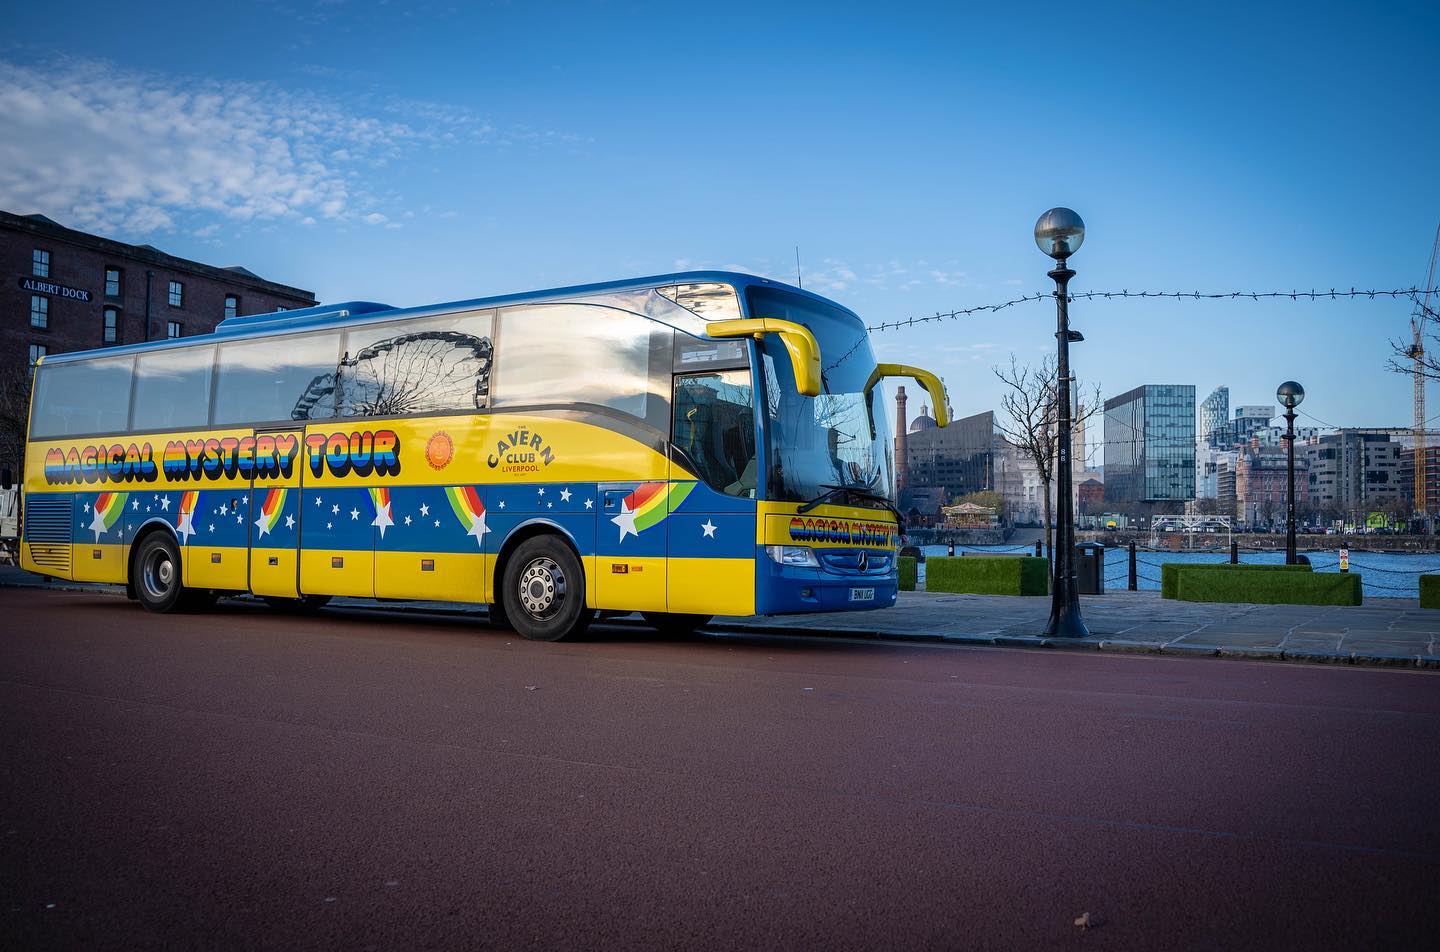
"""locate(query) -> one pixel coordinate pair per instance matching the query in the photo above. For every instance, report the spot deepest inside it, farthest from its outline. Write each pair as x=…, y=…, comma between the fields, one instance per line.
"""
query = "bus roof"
x=345, y=313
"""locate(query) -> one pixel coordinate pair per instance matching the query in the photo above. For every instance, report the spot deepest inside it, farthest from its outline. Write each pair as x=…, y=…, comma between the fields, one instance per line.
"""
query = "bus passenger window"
x=276, y=378
x=715, y=429
x=435, y=365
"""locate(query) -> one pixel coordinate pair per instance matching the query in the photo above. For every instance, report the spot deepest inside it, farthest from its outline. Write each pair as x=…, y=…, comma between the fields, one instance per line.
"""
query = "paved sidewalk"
x=1384, y=631
x=1389, y=631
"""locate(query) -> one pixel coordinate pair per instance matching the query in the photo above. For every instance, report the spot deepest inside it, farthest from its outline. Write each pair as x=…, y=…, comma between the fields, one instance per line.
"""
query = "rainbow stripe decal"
x=468, y=508
x=383, y=519
x=648, y=505
x=185, y=521
x=270, y=511
x=108, y=507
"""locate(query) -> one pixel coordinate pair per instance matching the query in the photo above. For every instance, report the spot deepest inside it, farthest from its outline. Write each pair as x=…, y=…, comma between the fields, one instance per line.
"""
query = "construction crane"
x=1416, y=353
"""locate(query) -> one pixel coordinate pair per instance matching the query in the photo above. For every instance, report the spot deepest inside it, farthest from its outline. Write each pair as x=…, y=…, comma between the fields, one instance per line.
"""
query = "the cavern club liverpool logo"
x=358, y=452
x=521, y=451
x=842, y=532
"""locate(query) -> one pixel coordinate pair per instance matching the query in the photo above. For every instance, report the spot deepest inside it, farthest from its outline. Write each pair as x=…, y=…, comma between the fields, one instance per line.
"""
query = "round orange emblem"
x=439, y=450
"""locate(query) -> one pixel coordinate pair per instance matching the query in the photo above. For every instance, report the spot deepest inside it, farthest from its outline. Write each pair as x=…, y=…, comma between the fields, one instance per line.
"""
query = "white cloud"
x=101, y=147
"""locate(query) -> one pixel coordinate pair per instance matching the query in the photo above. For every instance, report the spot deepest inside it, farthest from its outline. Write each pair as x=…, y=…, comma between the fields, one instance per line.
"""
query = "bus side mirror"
x=7, y=479
x=801, y=344
x=925, y=378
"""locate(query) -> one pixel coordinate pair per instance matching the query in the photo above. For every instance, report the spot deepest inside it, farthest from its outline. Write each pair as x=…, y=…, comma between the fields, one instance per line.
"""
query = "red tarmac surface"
x=372, y=780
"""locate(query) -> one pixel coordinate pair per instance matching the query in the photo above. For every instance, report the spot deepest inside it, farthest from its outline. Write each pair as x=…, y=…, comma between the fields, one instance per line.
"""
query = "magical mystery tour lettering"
x=250, y=457
x=842, y=531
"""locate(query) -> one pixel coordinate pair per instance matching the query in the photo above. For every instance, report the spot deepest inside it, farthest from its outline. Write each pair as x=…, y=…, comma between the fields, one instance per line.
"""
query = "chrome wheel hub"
x=157, y=575
x=542, y=587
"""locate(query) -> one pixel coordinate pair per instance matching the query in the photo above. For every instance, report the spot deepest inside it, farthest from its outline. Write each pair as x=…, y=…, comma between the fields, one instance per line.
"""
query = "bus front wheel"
x=544, y=593
x=157, y=574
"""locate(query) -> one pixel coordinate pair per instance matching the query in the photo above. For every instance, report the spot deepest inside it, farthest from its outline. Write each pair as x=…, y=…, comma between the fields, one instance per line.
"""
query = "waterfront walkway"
x=1384, y=631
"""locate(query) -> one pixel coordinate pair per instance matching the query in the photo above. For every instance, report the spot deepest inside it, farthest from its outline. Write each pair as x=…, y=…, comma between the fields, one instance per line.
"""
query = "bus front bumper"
x=792, y=589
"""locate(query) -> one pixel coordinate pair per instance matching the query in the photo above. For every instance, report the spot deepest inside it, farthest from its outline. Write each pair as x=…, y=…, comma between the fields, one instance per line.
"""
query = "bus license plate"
x=862, y=594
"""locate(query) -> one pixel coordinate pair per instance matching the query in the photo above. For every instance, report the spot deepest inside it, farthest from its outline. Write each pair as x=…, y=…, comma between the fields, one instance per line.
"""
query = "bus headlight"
x=792, y=555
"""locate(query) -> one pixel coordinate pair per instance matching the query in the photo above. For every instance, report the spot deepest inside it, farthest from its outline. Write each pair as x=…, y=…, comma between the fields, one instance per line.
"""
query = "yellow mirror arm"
x=801, y=344
x=925, y=378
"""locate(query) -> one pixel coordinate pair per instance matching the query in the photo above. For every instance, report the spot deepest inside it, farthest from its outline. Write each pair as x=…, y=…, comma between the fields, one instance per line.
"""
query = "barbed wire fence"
x=1334, y=294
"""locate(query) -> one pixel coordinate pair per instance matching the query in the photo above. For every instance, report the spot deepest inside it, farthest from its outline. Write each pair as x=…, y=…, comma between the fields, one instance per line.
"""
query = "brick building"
x=1261, y=485
x=67, y=290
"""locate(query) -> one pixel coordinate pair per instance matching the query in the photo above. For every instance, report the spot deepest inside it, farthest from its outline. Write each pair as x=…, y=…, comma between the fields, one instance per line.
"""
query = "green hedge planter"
x=907, y=573
x=982, y=575
x=1170, y=571
x=1430, y=591
x=1271, y=588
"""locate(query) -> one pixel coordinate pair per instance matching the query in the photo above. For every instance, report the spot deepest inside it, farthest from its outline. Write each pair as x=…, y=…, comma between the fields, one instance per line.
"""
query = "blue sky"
x=413, y=153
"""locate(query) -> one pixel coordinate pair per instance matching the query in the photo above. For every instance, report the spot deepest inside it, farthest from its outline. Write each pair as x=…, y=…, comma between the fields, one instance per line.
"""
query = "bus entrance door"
x=275, y=513
x=630, y=546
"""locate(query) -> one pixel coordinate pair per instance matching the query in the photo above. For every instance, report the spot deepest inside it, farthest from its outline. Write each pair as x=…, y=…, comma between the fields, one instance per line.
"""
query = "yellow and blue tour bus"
x=681, y=446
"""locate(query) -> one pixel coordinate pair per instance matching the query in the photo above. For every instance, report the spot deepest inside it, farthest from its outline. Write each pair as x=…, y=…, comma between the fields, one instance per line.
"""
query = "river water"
x=1383, y=574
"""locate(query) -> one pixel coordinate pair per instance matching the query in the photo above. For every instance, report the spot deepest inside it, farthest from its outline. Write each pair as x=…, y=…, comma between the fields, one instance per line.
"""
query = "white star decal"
x=317, y=500
x=708, y=528
x=549, y=505
x=354, y=514
x=165, y=503
x=626, y=522
x=542, y=490
x=260, y=524
x=147, y=508
x=289, y=522
x=478, y=529
x=212, y=527
x=224, y=511
x=502, y=504
x=383, y=520
x=97, y=525
x=136, y=505
x=424, y=509
x=589, y=504
x=335, y=510
x=239, y=520
x=407, y=520
x=329, y=525
x=186, y=527
x=437, y=523
x=87, y=507
x=565, y=495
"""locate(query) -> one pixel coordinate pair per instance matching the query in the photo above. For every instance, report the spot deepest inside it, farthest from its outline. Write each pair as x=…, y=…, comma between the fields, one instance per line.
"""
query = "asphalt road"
x=368, y=780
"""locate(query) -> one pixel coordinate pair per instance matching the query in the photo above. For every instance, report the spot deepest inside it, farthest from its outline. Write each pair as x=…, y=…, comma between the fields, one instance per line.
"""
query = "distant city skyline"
x=416, y=155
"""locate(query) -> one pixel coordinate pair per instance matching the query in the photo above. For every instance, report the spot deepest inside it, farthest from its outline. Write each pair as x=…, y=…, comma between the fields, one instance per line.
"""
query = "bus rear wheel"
x=156, y=575
x=544, y=590
x=673, y=625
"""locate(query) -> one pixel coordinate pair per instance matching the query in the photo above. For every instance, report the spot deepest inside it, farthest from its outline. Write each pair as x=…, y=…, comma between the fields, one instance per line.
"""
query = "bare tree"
x=14, y=417
x=1032, y=419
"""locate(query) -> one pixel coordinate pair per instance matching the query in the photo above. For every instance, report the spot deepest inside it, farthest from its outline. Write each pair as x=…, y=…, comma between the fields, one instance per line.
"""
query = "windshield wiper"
x=863, y=492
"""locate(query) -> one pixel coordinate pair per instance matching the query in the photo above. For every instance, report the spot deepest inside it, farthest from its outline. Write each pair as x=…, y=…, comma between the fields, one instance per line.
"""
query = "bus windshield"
x=818, y=443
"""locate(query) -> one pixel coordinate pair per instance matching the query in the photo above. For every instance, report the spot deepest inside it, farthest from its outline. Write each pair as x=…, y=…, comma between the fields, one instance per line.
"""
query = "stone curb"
x=1118, y=645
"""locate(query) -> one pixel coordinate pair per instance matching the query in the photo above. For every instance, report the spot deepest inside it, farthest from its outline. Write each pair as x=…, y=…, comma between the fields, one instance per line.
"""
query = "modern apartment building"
x=1150, y=448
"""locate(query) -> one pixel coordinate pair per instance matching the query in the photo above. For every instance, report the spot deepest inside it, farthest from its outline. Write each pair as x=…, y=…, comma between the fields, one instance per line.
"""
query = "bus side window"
x=172, y=389
x=434, y=365
x=277, y=378
x=715, y=429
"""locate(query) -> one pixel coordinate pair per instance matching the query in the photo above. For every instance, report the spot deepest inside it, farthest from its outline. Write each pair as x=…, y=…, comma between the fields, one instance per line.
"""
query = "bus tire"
x=673, y=625
x=304, y=605
x=156, y=574
x=544, y=590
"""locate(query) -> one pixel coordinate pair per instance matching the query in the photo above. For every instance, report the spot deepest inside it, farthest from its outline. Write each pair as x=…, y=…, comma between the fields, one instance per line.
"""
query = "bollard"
x=950, y=550
x=1344, y=560
x=1134, y=576
x=1039, y=551
x=1234, y=553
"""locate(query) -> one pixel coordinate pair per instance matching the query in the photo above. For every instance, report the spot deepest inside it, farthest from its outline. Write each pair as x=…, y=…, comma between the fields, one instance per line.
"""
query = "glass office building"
x=1150, y=446
x=1214, y=415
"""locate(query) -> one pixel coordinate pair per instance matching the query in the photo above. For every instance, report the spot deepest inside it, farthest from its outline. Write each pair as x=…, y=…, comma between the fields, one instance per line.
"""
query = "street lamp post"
x=1059, y=233
x=1290, y=394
